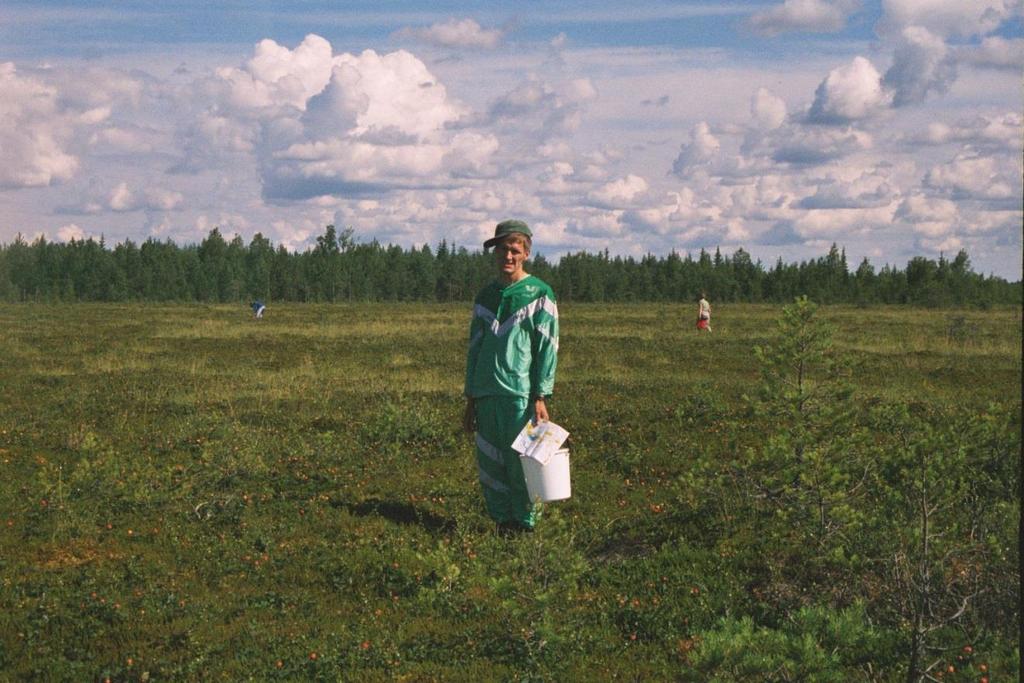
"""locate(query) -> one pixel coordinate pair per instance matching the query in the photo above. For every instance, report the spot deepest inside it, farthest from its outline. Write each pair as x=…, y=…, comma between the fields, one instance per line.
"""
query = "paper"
x=540, y=441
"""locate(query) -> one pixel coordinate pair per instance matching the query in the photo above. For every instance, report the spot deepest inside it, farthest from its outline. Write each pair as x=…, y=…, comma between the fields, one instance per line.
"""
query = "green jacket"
x=513, y=340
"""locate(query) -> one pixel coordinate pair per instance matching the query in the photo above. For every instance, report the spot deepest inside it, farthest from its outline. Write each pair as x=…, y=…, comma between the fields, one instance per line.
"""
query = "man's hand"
x=540, y=411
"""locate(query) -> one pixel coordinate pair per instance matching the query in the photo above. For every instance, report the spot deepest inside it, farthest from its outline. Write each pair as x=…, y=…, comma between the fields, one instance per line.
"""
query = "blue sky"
x=891, y=128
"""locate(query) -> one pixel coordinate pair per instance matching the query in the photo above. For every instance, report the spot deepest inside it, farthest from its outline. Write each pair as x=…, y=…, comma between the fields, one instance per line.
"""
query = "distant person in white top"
x=703, y=313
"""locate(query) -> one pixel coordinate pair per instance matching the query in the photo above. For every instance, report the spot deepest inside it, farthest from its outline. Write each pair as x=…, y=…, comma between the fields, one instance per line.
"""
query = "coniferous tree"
x=259, y=262
x=338, y=268
x=212, y=278
x=325, y=266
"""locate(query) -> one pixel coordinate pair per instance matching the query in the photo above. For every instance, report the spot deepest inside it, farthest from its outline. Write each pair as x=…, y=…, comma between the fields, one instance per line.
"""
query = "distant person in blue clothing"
x=257, y=309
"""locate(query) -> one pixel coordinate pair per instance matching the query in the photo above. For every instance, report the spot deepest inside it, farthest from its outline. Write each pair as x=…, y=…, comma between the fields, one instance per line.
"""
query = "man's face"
x=510, y=256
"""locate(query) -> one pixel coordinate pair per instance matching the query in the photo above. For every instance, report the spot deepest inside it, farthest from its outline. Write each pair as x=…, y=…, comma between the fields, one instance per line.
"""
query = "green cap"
x=506, y=228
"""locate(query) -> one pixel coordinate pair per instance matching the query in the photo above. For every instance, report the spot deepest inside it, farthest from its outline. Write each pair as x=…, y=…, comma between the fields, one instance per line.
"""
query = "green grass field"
x=189, y=494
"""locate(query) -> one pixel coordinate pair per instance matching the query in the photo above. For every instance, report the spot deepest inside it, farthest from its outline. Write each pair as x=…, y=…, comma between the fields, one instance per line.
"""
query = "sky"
x=891, y=128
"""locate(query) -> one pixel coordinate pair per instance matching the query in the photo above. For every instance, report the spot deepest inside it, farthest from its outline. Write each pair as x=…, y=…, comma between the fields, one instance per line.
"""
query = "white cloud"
x=514, y=200
x=93, y=116
x=848, y=93
x=948, y=17
x=948, y=245
x=767, y=110
x=351, y=160
x=597, y=224
x=229, y=225
x=294, y=236
x=975, y=221
x=865, y=193
x=620, y=193
x=970, y=176
x=689, y=207
x=70, y=232
x=815, y=145
x=816, y=16
x=653, y=219
x=121, y=198
x=402, y=219
x=736, y=232
x=556, y=179
x=766, y=199
x=922, y=64
x=124, y=199
x=382, y=121
x=33, y=133
x=226, y=133
x=486, y=201
x=702, y=149
x=931, y=216
x=121, y=139
x=97, y=91
x=471, y=154
x=462, y=215
x=543, y=107
x=936, y=133
x=296, y=74
x=847, y=223
x=1007, y=130
x=462, y=33
x=236, y=109
x=374, y=92
x=994, y=52
x=982, y=131
x=683, y=218
x=162, y=200
x=275, y=77
x=591, y=168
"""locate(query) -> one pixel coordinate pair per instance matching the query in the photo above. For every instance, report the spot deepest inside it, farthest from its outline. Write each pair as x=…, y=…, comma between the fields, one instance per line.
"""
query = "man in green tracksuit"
x=510, y=371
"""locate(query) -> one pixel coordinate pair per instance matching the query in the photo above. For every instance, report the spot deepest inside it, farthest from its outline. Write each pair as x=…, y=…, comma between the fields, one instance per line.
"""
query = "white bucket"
x=547, y=482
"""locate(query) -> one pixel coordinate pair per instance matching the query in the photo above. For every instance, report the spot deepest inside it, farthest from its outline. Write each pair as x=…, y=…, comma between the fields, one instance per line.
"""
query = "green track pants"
x=499, y=419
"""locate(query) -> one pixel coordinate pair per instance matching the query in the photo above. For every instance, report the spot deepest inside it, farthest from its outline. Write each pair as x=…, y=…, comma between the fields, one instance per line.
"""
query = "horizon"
x=688, y=255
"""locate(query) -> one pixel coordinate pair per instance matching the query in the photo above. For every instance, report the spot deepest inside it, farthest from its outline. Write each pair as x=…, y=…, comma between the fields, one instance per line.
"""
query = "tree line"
x=340, y=268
